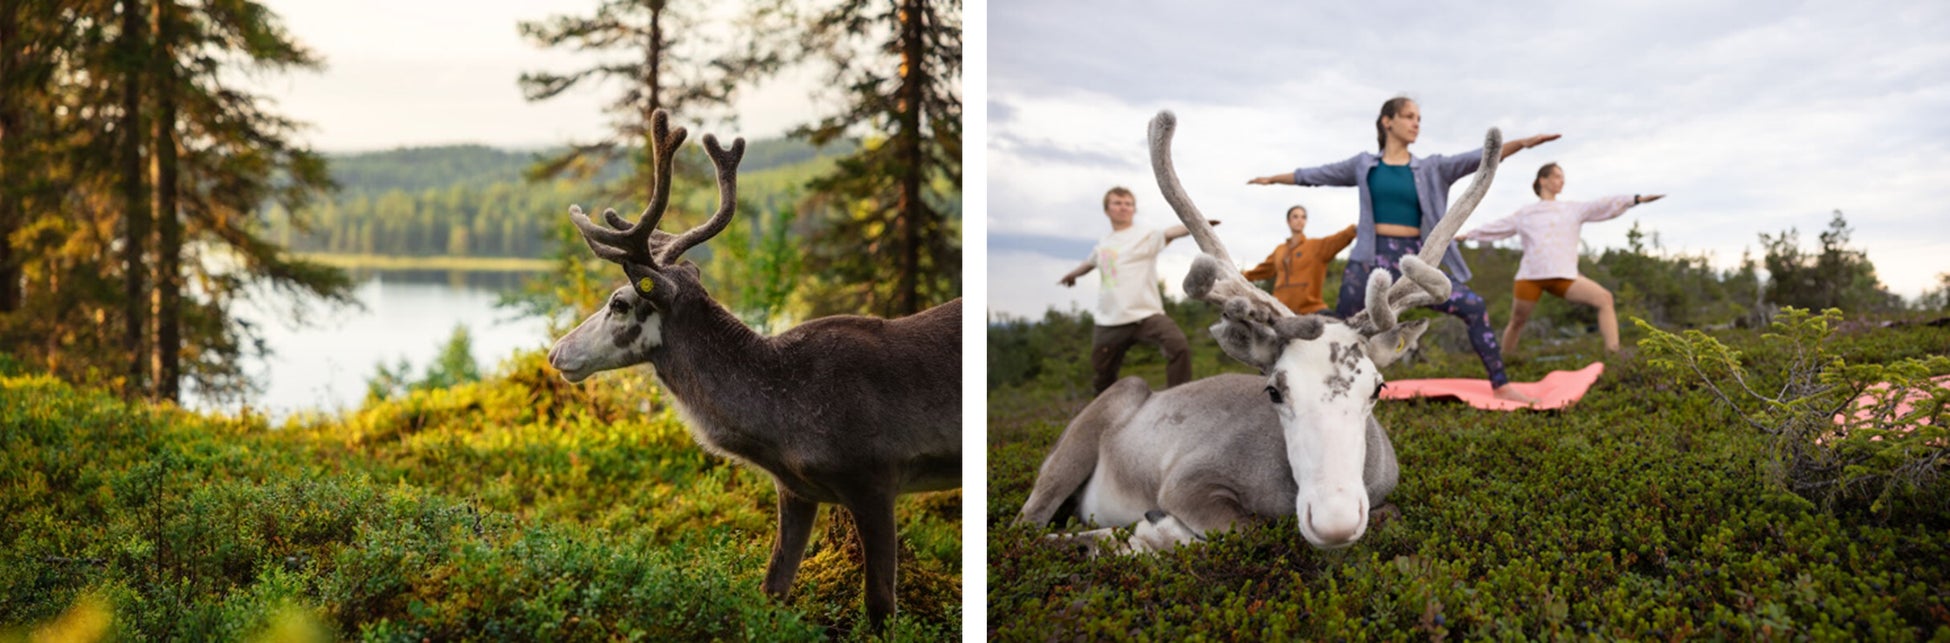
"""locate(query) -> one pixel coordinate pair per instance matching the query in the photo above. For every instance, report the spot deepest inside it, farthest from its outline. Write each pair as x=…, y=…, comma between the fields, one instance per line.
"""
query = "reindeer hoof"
x=1382, y=515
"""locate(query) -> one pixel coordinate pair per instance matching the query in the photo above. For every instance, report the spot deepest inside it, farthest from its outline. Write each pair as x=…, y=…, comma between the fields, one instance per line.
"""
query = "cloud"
x=1752, y=118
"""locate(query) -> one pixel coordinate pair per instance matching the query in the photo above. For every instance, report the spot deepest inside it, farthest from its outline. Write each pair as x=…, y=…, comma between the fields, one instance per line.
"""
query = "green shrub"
x=1637, y=514
x=517, y=507
x=1795, y=390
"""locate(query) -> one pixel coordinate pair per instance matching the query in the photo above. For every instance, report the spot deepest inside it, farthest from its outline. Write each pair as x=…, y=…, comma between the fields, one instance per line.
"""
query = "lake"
x=408, y=314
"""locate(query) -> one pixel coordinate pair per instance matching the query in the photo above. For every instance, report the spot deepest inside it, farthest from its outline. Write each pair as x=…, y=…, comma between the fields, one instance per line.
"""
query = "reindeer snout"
x=562, y=360
x=1337, y=521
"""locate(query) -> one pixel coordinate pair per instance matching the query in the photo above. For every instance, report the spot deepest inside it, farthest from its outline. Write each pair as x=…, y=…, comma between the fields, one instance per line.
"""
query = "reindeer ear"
x=649, y=282
x=1246, y=338
x=1389, y=345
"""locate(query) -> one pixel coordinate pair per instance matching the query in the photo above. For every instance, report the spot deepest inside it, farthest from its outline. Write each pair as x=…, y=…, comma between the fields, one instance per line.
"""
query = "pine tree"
x=150, y=151
x=890, y=220
x=132, y=49
x=675, y=66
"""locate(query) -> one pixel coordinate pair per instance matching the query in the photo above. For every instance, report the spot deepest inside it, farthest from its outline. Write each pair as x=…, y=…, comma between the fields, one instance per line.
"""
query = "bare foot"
x=1512, y=394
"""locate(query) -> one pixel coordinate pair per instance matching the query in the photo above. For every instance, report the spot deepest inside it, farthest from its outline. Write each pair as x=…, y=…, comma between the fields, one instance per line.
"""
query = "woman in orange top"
x=1299, y=264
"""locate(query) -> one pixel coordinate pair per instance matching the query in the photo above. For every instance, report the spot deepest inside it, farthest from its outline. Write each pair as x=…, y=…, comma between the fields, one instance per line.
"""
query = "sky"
x=1751, y=116
x=437, y=72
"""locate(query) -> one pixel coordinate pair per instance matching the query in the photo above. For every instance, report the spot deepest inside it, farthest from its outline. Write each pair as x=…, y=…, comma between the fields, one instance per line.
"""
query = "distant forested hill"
x=472, y=200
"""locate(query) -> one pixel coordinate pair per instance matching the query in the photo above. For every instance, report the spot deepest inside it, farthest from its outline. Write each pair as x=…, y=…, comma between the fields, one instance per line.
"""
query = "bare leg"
x=1519, y=315
x=1588, y=292
x=795, y=524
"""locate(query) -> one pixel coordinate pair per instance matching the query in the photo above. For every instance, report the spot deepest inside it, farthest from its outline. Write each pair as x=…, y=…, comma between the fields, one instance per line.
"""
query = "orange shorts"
x=1533, y=289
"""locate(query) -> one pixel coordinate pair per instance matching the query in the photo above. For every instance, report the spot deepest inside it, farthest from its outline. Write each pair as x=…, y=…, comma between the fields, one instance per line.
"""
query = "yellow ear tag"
x=644, y=285
x=1400, y=343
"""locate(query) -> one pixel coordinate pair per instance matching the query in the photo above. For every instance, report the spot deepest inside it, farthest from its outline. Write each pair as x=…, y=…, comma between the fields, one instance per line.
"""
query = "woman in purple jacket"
x=1402, y=198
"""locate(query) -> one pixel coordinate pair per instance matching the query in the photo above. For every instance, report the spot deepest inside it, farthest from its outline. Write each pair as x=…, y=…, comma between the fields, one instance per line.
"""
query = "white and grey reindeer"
x=846, y=410
x=1300, y=439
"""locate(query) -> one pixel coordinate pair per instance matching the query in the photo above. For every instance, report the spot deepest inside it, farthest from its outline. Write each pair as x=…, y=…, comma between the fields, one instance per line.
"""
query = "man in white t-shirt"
x=1129, y=308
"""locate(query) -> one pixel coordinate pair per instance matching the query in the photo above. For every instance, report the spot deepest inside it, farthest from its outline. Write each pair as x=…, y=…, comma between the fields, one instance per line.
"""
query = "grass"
x=1640, y=513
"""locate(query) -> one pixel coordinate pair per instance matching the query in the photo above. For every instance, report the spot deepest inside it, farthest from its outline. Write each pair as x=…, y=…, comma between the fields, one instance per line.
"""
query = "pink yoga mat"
x=1557, y=390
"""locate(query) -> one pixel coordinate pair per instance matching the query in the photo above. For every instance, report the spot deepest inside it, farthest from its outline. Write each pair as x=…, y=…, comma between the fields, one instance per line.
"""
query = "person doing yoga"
x=1549, y=229
x=1402, y=198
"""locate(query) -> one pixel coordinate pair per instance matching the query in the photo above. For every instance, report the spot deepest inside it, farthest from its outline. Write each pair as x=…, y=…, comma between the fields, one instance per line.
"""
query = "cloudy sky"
x=433, y=72
x=1754, y=117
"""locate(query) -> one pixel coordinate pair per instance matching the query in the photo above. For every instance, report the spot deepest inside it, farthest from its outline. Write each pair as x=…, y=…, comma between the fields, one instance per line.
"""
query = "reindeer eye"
x=618, y=306
x=1274, y=394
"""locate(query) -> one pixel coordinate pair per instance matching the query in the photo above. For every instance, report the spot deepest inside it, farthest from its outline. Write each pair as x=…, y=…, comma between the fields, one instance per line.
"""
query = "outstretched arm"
x=1513, y=147
x=1611, y=207
x=1081, y=270
x=1266, y=269
x=1174, y=232
x=1340, y=173
x=1339, y=240
x=1502, y=228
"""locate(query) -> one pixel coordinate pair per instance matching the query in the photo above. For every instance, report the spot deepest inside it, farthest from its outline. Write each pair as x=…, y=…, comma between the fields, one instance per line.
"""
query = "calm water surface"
x=324, y=366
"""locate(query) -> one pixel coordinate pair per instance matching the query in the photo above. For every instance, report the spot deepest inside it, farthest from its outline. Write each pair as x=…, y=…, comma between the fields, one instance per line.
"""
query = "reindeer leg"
x=873, y=518
x=1191, y=513
x=795, y=524
x=1074, y=458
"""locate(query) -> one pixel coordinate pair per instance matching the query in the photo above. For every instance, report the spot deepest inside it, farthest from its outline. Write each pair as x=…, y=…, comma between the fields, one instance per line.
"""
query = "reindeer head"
x=1322, y=375
x=629, y=326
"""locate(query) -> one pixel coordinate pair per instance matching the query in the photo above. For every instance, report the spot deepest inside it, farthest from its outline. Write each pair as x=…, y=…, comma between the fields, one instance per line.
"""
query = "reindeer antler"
x=1422, y=281
x=626, y=243
x=631, y=243
x=726, y=162
x=1214, y=278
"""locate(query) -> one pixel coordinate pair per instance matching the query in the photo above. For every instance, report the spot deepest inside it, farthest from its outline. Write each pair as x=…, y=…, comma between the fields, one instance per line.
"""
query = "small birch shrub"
x=1837, y=431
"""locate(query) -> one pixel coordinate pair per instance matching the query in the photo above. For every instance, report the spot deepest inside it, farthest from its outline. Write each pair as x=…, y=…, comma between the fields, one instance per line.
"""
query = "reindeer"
x=1301, y=438
x=845, y=410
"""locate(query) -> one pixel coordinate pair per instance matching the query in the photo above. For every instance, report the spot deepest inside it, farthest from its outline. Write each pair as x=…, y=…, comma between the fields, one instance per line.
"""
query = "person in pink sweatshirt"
x=1549, y=229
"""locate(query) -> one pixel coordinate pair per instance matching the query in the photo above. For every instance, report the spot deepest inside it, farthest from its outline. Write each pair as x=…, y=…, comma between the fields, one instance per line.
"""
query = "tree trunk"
x=135, y=230
x=913, y=211
x=10, y=165
x=169, y=228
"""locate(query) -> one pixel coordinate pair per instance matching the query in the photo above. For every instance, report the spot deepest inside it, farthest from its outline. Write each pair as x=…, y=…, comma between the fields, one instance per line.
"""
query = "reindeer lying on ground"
x=845, y=410
x=1299, y=440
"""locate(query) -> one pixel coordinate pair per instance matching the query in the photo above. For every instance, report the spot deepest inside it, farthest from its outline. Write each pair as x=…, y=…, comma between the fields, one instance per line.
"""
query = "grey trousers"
x=1109, y=343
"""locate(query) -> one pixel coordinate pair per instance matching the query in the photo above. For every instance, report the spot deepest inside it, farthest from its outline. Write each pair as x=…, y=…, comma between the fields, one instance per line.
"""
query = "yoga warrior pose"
x=1129, y=308
x=1549, y=229
x=1298, y=266
x=1402, y=198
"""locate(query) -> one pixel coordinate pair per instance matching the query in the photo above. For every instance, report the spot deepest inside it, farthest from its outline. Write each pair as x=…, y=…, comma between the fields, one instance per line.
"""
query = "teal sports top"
x=1392, y=188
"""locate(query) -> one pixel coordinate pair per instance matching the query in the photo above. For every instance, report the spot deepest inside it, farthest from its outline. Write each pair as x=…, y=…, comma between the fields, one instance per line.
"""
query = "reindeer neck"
x=717, y=367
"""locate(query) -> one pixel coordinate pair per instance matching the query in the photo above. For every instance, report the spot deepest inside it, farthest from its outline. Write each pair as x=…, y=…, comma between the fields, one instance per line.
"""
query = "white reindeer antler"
x=1422, y=281
x=1214, y=278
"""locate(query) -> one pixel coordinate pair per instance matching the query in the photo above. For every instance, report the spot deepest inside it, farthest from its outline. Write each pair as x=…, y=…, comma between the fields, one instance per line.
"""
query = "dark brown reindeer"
x=846, y=410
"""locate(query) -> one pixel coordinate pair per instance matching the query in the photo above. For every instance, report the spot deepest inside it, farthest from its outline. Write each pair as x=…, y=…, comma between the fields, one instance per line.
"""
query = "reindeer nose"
x=1337, y=520
x=562, y=359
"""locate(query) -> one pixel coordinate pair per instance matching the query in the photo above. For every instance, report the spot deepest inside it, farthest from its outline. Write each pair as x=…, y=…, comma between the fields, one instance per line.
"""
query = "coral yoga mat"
x=1557, y=390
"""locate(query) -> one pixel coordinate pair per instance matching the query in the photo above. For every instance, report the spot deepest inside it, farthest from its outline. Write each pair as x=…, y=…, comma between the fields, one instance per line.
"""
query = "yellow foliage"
x=86, y=621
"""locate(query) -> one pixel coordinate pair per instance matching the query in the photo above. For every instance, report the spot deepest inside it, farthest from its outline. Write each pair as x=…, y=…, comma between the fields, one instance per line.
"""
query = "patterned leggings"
x=1463, y=302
